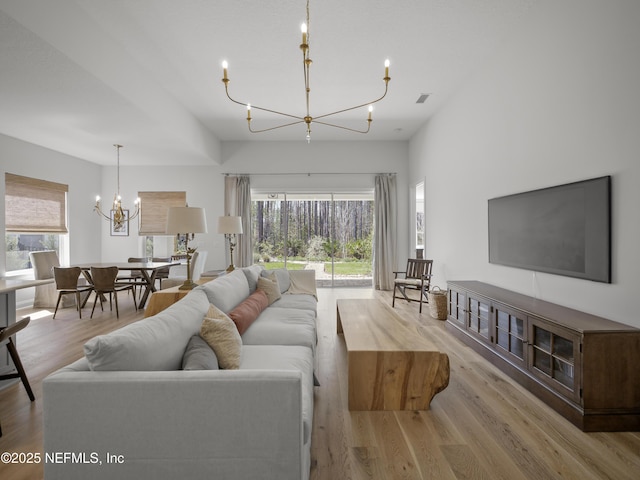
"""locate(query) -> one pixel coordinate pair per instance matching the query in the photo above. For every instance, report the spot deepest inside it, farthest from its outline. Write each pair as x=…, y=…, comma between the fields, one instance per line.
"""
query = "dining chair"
x=197, y=267
x=162, y=273
x=104, y=281
x=416, y=277
x=135, y=278
x=42, y=263
x=66, y=279
x=6, y=335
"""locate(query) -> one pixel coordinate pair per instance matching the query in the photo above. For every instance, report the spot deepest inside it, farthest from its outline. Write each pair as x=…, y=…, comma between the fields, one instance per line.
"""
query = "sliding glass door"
x=330, y=233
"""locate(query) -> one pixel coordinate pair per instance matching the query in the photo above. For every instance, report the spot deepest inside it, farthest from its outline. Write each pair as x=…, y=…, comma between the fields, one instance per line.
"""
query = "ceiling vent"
x=423, y=97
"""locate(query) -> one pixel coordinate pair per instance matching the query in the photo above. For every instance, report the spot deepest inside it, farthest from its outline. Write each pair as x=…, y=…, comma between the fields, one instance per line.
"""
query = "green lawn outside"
x=349, y=268
x=275, y=265
x=340, y=268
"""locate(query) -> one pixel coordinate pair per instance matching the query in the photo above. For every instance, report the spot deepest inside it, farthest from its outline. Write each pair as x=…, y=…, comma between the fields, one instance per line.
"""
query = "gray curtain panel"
x=384, y=246
x=237, y=202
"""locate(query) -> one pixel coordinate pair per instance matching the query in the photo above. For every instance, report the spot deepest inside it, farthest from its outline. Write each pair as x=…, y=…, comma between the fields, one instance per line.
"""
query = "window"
x=153, y=210
x=153, y=221
x=419, y=224
x=35, y=219
x=329, y=232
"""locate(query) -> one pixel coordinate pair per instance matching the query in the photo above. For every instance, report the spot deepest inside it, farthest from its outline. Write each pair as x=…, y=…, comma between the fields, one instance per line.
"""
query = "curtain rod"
x=307, y=174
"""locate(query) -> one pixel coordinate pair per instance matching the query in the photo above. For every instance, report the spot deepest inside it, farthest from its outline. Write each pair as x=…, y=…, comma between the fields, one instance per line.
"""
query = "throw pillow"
x=248, y=310
x=199, y=355
x=270, y=287
x=282, y=276
x=222, y=336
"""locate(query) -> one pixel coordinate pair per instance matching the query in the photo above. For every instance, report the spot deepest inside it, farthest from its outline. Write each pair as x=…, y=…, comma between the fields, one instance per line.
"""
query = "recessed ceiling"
x=79, y=76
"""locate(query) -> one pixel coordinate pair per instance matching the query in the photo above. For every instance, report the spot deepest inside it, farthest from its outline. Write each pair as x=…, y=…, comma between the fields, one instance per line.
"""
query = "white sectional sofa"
x=128, y=410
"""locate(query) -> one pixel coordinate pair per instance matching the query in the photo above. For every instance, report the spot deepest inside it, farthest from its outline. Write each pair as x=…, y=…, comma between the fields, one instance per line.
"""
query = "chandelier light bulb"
x=225, y=65
x=303, y=29
x=386, y=67
x=370, y=110
x=97, y=198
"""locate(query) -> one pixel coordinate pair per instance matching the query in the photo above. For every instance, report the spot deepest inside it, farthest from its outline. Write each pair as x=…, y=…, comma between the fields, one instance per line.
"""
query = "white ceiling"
x=77, y=76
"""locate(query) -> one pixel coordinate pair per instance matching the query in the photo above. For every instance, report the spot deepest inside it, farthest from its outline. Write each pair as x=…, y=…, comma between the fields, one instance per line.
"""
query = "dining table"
x=148, y=272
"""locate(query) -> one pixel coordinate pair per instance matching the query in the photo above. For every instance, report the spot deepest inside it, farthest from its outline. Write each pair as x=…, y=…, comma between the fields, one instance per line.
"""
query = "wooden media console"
x=582, y=365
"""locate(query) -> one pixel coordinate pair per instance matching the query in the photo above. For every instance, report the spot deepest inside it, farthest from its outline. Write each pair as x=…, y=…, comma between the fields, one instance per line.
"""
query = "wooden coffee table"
x=391, y=365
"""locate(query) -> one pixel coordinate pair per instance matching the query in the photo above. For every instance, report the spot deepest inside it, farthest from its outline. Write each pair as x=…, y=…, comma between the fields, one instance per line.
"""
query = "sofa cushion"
x=219, y=331
x=281, y=275
x=270, y=287
x=283, y=326
x=299, y=301
x=252, y=273
x=227, y=291
x=155, y=343
x=199, y=355
x=248, y=310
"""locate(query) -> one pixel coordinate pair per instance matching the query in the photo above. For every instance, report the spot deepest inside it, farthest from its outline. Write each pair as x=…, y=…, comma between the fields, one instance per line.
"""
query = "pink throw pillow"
x=245, y=313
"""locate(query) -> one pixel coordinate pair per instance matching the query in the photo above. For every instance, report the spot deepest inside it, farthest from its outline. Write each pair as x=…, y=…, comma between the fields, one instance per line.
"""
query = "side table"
x=162, y=299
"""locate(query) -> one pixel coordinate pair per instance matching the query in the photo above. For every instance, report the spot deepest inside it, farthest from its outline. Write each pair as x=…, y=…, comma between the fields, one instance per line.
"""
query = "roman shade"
x=35, y=206
x=154, y=207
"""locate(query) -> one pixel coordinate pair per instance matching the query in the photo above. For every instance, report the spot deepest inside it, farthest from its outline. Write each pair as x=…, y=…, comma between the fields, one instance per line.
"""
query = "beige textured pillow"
x=222, y=335
x=270, y=287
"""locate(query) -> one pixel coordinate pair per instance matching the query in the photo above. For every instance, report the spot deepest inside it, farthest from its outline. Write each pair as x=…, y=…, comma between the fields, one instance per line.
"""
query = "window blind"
x=33, y=205
x=153, y=210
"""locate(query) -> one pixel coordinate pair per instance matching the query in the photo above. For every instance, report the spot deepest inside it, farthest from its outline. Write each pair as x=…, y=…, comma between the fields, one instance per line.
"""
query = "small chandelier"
x=307, y=119
x=117, y=214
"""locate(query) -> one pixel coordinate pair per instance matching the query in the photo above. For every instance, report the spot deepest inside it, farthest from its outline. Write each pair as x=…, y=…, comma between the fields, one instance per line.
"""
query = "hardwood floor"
x=483, y=425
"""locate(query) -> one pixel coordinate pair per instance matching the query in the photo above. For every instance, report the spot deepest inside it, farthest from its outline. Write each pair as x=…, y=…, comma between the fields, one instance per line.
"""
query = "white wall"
x=83, y=179
x=205, y=185
x=346, y=166
x=560, y=103
x=89, y=234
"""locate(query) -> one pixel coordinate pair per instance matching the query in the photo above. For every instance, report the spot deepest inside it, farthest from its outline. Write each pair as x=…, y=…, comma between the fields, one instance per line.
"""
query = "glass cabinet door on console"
x=555, y=357
x=479, y=318
x=510, y=334
x=458, y=307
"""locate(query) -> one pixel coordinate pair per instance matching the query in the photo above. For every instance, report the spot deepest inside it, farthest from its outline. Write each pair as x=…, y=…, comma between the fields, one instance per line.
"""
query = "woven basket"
x=438, y=303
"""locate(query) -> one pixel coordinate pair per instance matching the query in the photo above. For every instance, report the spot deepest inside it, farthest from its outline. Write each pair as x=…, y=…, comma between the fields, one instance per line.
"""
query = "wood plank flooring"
x=482, y=426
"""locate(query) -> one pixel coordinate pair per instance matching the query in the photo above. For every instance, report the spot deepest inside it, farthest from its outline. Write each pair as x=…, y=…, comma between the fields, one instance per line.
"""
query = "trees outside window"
x=331, y=233
x=18, y=246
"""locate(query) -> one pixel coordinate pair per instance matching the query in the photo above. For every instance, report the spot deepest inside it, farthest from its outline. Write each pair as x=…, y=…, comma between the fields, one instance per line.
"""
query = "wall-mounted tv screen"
x=565, y=230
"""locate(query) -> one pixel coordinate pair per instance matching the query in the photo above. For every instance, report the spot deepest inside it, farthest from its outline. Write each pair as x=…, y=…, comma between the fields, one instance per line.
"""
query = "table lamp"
x=230, y=226
x=186, y=221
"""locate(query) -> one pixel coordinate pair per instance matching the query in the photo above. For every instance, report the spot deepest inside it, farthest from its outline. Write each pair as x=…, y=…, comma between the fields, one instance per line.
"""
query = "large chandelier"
x=307, y=119
x=117, y=214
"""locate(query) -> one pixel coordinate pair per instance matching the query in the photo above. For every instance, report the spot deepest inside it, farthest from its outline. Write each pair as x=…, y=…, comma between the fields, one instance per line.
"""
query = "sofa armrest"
x=234, y=424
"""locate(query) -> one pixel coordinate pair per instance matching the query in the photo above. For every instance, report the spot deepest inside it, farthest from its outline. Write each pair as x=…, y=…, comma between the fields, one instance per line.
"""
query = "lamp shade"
x=229, y=224
x=186, y=220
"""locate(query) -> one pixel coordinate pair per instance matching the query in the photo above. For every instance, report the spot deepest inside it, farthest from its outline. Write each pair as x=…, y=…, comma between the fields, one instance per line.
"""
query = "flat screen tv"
x=564, y=230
